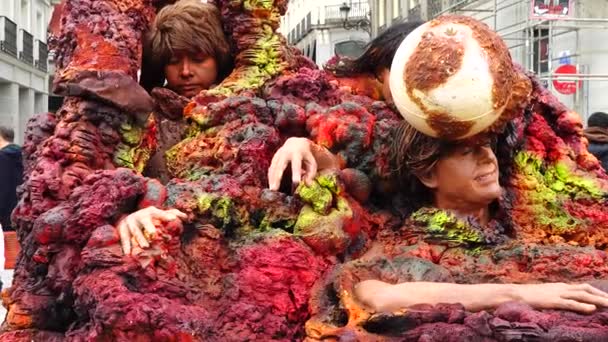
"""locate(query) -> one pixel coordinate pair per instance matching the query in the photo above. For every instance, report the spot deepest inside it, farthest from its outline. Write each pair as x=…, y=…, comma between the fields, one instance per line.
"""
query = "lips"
x=186, y=89
x=486, y=176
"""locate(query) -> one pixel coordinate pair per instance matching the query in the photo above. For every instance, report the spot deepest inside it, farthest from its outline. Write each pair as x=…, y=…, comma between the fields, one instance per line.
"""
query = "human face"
x=189, y=74
x=383, y=76
x=466, y=177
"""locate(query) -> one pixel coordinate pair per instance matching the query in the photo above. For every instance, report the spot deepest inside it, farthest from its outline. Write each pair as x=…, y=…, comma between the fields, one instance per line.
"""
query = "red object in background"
x=11, y=250
x=55, y=23
x=566, y=87
x=551, y=9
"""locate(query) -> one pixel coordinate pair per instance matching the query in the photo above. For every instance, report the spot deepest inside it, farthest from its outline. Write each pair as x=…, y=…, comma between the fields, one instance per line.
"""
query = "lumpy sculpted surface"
x=253, y=264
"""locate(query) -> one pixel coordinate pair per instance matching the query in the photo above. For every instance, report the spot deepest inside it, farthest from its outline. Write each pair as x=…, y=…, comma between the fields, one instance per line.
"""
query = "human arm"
x=382, y=296
x=306, y=159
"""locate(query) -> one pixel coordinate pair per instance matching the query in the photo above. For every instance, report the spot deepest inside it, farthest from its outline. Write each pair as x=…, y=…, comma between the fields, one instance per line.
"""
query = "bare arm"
x=381, y=296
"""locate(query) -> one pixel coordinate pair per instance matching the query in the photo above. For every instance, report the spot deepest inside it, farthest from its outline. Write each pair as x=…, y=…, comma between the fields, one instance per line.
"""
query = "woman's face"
x=189, y=74
x=383, y=76
x=465, y=177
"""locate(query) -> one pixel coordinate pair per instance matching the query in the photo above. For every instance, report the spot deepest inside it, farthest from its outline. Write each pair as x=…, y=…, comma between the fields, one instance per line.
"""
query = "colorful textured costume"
x=245, y=264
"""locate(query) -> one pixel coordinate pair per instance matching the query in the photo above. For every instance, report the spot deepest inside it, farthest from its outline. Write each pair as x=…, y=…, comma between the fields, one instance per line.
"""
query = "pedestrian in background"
x=597, y=134
x=11, y=175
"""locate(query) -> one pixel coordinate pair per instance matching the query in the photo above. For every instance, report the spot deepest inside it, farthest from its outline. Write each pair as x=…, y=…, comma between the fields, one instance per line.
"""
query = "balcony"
x=8, y=36
x=27, y=52
x=358, y=10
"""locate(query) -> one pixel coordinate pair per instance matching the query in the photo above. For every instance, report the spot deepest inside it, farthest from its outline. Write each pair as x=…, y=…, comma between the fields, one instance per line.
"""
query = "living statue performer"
x=243, y=264
x=475, y=262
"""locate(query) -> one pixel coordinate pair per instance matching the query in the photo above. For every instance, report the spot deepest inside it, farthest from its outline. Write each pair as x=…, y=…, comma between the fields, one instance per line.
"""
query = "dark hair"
x=190, y=26
x=598, y=119
x=379, y=52
x=7, y=133
x=413, y=155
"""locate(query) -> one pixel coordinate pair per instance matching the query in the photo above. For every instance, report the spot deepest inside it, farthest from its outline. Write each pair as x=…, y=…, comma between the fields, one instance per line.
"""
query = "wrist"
x=325, y=159
x=512, y=292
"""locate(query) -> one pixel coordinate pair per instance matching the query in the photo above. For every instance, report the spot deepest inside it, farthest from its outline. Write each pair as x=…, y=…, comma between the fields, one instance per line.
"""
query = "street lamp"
x=360, y=24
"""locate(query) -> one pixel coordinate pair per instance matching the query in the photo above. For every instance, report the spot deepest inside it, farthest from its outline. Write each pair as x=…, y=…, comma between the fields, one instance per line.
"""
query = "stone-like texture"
x=252, y=264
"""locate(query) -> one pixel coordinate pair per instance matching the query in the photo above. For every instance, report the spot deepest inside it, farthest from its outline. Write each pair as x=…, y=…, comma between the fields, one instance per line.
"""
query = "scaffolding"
x=531, y=41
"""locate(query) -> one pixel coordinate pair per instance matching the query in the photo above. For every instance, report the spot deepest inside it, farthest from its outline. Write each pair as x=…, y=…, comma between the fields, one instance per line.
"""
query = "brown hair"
x=7, y=134
x=414, y=154
x=190, y=26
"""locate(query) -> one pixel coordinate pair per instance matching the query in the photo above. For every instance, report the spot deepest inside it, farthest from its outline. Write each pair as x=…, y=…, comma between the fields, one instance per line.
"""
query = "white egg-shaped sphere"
x=451, y=77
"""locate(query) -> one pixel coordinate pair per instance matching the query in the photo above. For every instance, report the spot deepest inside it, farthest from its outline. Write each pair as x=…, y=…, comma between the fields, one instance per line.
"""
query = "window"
x=541, y=51
x=25, y=15
x=41, y=27
x=7, y=9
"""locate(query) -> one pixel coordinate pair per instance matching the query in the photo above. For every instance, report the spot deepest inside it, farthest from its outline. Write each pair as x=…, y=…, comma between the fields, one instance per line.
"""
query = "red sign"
x=566, y=87
x=551, y=9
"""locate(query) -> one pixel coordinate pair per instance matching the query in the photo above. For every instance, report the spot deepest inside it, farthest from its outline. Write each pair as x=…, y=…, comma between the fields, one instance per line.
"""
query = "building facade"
x=317, y=28
x=24, y=76
x=568, y=52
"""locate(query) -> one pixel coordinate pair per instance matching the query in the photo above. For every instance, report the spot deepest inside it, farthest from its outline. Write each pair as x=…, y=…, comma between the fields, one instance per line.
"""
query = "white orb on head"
x=452, y=77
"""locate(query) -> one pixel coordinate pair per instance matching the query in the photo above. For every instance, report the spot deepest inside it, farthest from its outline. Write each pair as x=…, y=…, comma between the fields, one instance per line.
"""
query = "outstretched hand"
x=306, y=159
x=139, y=226
x=574, y=297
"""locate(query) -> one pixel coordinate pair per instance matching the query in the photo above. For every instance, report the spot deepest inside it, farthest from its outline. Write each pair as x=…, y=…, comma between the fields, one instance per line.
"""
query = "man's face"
x=189, y=74
x=467, y=176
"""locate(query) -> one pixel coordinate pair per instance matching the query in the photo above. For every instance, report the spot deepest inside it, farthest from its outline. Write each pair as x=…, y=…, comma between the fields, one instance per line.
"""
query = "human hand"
x=574, y=297
x=305, y=157
x=140, y=224
x=298, y=152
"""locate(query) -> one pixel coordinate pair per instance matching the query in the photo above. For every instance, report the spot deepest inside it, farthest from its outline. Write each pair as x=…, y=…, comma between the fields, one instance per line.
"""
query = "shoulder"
x=598, y=147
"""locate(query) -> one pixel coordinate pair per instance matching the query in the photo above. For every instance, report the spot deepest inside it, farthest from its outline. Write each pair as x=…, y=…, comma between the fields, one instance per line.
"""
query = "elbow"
x=374, y=294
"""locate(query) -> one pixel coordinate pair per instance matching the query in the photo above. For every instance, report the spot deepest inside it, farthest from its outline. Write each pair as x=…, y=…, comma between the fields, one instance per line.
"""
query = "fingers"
x=275, y=172
x=125, y=236
x=279, y=164
x=591, y=289
x=296, y=169
x=148, y=225
x=132, y=226
x=585, y=297
x=271, y=171
x=573, y=305
x=296, y=151
x=135, y=230
x=179, y=214
x=155, y=213
x=311, y=167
